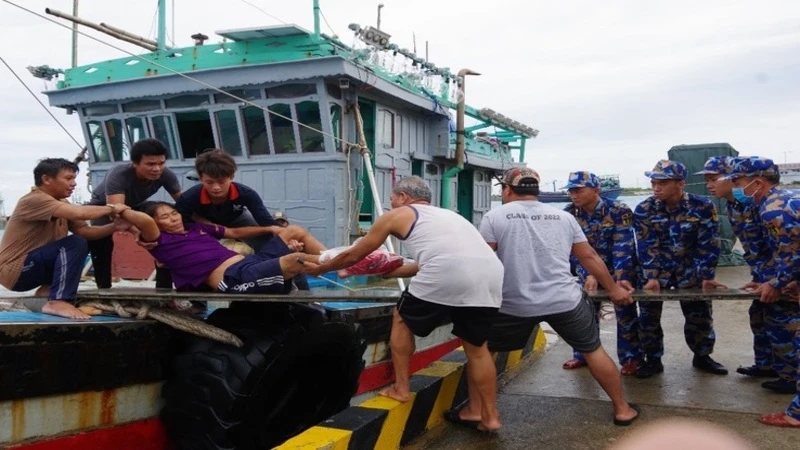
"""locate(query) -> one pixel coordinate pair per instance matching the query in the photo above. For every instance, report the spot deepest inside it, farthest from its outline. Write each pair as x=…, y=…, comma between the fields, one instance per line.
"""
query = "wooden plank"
x=151, y=294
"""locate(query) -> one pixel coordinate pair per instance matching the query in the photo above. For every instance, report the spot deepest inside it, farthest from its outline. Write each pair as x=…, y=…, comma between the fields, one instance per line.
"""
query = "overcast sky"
x=611, y=85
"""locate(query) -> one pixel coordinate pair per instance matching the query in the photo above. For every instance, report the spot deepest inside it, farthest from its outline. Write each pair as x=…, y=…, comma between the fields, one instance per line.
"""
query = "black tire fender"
x=295, y=370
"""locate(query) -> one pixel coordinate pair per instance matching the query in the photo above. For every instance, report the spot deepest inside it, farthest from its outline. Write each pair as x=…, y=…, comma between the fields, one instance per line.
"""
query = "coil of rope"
x=175, y=319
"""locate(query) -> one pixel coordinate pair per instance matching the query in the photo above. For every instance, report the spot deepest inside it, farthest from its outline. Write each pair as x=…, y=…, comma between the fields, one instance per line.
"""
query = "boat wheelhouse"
x=281, y=100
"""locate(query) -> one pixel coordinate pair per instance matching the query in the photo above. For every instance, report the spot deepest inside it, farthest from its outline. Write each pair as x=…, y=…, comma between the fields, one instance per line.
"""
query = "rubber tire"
x=294, y=371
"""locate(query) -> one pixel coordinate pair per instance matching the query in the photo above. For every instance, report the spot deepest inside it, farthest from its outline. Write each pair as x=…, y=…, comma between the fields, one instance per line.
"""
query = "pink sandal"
x=778, y=420
x=573, y=363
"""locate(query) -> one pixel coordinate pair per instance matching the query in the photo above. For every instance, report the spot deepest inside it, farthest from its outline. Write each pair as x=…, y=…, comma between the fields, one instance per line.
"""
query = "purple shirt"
x=192, y=256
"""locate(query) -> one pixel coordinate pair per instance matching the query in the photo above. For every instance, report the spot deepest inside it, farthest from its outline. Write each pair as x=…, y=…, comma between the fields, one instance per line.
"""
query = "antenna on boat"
x=162, y=24
x=380, y=7
x=316, y=20
x=75, y=35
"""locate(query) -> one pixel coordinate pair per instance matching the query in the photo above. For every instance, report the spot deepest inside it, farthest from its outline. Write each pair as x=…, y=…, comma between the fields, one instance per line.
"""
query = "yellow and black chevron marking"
x=382, y=423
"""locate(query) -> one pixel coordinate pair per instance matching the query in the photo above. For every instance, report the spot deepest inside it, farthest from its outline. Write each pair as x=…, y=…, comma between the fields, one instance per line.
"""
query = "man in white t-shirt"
x=455, y=276
x=534, y=241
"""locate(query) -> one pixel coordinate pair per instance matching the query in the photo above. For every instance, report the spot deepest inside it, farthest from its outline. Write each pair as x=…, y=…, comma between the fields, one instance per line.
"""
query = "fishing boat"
x=320, y=130
x=609, y=188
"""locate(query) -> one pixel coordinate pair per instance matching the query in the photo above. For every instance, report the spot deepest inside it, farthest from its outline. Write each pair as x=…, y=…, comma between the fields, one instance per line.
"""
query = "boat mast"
x=316, y=20
x=162, y=24
x=75, y=35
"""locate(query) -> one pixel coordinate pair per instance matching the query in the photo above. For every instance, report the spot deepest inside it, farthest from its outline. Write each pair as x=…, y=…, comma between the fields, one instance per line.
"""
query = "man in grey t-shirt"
x=131, y=184
x=534, y=242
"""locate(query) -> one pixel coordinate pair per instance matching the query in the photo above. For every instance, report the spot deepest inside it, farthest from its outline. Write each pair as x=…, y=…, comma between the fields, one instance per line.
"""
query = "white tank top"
x=456, y=265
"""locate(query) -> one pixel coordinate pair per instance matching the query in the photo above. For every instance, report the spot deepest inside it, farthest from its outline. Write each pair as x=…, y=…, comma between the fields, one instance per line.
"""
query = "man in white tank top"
x=534, y=241
x=456, y=276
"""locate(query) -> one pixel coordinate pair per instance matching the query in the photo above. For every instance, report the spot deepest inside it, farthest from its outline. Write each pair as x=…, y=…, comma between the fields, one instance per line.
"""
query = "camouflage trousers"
x=779, y=322
x=794, y=407
x=698, y=328
x=628, y=347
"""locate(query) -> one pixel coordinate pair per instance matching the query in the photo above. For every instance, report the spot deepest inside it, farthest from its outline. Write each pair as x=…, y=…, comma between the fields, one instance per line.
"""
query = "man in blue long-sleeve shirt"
x=678, y=247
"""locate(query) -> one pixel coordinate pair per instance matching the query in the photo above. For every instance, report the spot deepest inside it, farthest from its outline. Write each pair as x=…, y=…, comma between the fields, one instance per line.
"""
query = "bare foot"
x=43, y=291
x=64, y=309
x=491, y=427
x=466, y=414
x=393, y=393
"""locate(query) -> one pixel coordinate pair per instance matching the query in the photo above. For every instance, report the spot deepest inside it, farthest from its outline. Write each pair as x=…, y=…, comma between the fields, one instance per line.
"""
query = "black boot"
x=781, y=386
x=706, y=364
x=651, y=367
x=755, y=371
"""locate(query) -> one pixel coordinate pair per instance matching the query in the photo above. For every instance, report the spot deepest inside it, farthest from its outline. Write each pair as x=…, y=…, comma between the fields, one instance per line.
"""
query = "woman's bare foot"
x=392, y=392
x=64, y=309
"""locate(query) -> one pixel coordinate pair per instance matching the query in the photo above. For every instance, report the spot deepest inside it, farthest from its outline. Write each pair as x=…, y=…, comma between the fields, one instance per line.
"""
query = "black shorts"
x=577, y=327
x=470, y=323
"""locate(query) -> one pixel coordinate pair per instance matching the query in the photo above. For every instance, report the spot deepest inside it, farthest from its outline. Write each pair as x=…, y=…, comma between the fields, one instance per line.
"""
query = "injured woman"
x=197, y=260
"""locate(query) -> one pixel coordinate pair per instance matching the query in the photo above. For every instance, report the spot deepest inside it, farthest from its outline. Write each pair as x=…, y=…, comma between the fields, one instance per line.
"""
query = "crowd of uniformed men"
x=671, y=240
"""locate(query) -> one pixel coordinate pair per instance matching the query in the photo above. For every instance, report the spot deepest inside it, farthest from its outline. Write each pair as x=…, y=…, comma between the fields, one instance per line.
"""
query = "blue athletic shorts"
x=259, y=273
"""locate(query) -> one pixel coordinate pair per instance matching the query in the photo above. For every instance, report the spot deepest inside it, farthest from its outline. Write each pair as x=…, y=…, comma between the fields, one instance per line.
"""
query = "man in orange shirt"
x=36, y=251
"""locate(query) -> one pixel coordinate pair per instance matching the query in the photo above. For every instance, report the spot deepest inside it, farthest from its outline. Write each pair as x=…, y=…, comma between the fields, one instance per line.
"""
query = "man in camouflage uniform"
x=607, y=225
x=773, y=344
x=756, y=181
x=678, y=247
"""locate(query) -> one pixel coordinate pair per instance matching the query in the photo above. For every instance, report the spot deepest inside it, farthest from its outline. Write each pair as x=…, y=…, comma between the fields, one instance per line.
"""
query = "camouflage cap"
x=667, y=170
x=582, y=179
x=752, y=166
x=520, y=177
x=717, y=165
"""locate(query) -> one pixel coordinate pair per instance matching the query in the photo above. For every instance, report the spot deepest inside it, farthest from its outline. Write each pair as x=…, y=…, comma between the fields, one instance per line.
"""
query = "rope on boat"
x=175, y=319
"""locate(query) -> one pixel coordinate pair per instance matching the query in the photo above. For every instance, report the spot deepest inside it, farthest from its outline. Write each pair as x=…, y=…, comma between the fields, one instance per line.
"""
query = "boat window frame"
x=176, y=154
x=235, y=108
x=321, y=97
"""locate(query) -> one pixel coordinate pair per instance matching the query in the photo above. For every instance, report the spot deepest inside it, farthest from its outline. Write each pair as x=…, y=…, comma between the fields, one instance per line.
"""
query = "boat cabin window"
x=188, y=101
x=120, y=147
x=387, y=129
x=194, y=132
x=228, y=131
x=98, y=141
x=141, y=106
x=100, y=110
x=283, y=140
x=164, y=131
x=136, y=128
x=291, y=90
x=336, y=126
x=255, y=130
x=247, y=94
x=310, y=140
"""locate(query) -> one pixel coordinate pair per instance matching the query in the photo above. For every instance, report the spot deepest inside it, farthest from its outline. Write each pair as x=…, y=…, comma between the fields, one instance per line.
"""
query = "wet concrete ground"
x=544, y=406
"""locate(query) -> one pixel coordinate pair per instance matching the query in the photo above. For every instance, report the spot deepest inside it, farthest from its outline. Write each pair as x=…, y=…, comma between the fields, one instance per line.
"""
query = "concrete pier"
x=545, y=406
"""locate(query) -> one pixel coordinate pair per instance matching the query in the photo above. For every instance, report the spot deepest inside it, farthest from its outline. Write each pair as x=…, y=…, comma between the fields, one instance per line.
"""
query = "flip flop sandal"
x=573, y=364
x=625, y=423
x=451, y=415
x=777, y=420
